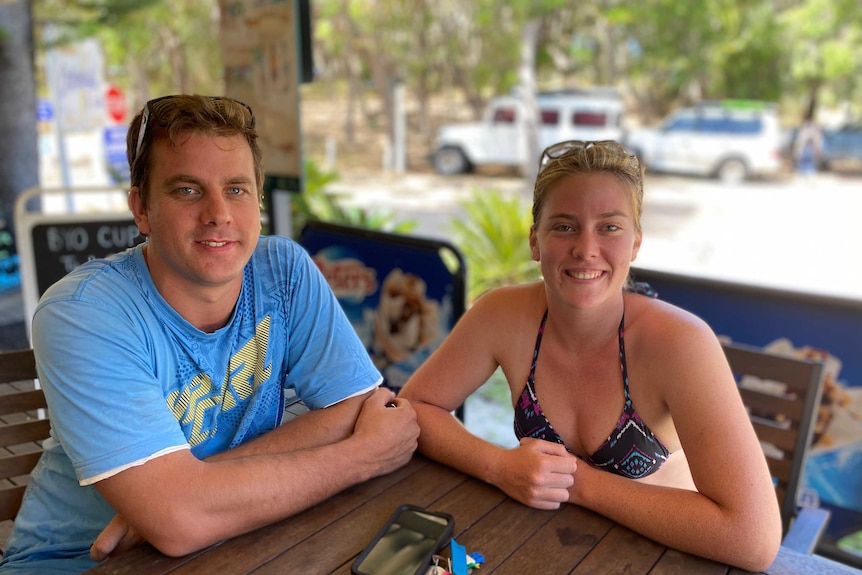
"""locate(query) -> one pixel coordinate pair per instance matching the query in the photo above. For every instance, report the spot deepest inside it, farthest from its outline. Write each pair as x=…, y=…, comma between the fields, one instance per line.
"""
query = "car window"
x=504, y=116
x=550, y=117
x=716, y=125
x=680, y=124
x=745, y=125
x=589, y=118
x=722, y=124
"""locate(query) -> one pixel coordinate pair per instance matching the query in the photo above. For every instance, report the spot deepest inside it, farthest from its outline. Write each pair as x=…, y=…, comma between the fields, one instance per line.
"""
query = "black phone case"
x=447, y=533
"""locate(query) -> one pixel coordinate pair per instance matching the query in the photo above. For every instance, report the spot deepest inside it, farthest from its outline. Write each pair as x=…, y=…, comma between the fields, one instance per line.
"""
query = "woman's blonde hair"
x=566, y=158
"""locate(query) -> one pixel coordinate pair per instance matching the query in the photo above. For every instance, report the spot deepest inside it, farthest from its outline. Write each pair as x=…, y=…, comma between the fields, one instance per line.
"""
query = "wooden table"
x=513, y=538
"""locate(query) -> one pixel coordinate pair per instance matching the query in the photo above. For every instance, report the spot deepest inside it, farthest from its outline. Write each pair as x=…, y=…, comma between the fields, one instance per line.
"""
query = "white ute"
x=498, y=138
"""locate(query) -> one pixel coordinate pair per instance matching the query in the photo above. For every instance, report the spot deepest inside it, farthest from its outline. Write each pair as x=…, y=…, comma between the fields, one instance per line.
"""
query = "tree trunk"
x=354, y=96
x=19, y=152
x=529, y=119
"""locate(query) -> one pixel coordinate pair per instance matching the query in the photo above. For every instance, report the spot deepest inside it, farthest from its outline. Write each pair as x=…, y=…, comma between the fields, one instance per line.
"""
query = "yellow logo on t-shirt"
x=245, y=371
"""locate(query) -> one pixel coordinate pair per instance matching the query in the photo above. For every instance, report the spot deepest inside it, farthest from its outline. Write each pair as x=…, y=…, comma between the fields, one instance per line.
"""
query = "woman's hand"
x=114, y=539
x=537, y=473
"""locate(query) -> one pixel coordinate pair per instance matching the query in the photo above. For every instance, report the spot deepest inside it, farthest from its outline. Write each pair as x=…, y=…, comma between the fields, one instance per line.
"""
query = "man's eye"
x=185, y=191
x=236, y=191
x=563, y=228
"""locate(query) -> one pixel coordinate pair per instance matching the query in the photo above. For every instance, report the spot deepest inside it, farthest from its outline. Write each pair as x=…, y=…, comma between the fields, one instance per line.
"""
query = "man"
x=165, y=366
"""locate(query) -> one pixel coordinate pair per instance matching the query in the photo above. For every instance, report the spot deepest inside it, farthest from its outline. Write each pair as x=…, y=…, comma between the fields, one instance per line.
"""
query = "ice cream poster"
x=402, y=295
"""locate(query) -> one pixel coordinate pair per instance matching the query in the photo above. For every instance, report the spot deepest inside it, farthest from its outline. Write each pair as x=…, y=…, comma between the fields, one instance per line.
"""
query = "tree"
x=823, y=55
x=19, y=166
x=174, y=49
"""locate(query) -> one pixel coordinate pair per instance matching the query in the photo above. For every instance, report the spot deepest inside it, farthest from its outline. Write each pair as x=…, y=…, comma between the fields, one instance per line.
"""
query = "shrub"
x=316, y=203
x=494, y=239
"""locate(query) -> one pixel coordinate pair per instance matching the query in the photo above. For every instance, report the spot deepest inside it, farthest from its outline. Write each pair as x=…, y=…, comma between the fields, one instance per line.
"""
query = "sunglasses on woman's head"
x=560, y=149
x=151, y=111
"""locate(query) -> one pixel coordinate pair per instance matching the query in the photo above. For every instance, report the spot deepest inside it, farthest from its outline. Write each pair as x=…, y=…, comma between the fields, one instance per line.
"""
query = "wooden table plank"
x=469, y=502
x=675, y=562
x=502, y=531
x=621, y=551
x=326, y=551
x=142, y=559
x=560, y=544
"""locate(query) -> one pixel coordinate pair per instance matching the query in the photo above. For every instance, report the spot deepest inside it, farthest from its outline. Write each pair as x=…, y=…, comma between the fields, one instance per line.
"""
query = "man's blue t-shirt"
x=128, y=379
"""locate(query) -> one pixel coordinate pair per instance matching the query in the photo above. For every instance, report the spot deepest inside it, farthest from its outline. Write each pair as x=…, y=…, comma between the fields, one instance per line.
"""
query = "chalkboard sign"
x=60, y=247
x=58, y=229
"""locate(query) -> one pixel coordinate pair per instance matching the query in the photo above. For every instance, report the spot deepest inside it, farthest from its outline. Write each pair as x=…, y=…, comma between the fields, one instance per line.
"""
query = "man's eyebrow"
x=185, y=178
x=240, y=180
x=182, y=178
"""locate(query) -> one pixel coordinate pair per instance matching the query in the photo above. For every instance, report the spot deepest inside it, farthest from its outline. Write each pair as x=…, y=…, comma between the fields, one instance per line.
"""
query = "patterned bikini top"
x=631, y=450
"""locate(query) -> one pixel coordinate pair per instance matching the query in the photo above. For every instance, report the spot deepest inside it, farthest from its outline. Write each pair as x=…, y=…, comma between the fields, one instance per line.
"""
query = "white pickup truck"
x=498, y=138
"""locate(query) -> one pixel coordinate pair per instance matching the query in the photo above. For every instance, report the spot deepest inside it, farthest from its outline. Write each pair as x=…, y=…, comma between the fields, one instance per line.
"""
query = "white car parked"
x=498, y=138
x=731, y=139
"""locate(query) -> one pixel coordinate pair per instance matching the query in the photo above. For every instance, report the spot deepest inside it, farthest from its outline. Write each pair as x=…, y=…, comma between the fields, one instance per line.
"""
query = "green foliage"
x=660, y=52
x=494, y=239
x=496, y=389
x=152, y=47
x=73, y=20
x=316, y=203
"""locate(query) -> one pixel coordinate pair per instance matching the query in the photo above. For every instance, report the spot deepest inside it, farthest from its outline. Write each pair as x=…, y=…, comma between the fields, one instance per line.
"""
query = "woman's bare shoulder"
x=657, y=323
x=506, y=314
x=513, y=300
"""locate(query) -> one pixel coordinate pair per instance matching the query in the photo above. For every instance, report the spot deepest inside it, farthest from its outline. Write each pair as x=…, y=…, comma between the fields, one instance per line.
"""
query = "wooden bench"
x=23, y=426
x=782, y=395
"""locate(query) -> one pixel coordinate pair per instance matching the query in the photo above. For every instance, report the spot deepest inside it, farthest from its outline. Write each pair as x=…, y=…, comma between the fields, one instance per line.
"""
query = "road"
x=795, y=234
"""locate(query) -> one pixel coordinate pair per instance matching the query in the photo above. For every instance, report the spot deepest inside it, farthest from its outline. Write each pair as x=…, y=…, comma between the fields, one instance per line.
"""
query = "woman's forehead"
x=594, y=189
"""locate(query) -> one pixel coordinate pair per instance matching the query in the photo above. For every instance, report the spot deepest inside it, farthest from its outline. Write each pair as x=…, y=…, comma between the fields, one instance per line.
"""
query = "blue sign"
x=10, y=273
x=44, y=111
x=115, y=153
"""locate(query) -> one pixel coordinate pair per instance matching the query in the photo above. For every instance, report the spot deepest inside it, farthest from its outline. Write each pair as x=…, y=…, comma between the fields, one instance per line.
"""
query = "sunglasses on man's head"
x=560, y=149
x=151, y=111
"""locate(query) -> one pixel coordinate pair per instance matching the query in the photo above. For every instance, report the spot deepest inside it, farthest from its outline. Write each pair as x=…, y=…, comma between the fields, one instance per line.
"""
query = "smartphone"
x=406, y=543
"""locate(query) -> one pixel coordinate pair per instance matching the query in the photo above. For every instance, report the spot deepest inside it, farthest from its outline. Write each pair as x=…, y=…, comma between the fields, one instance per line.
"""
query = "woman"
x=624, y=404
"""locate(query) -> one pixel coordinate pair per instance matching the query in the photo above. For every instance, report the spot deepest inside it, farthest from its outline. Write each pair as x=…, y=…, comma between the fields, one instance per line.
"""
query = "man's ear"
x=139, y=212
x=534, y=245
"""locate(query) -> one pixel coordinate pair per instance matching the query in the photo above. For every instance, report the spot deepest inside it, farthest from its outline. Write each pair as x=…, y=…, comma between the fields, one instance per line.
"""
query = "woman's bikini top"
x=631, y=450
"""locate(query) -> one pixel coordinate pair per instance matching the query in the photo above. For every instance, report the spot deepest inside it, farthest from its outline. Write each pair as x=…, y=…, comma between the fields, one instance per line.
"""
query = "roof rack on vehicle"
x=735, y=104
x=599, y=91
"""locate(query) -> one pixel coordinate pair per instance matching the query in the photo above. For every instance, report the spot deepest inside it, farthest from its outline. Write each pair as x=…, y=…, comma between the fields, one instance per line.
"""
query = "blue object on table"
x=459, y=558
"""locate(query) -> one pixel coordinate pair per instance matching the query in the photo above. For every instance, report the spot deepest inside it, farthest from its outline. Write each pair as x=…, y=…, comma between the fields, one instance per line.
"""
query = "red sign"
x=116, y=102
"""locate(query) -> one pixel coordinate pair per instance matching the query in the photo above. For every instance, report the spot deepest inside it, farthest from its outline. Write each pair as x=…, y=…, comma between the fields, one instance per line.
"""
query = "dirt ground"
x=323, y=121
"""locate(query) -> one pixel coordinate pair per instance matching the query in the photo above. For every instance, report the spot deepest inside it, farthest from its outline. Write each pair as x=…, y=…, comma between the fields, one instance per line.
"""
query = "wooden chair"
x=23, y=425
x=782, y=395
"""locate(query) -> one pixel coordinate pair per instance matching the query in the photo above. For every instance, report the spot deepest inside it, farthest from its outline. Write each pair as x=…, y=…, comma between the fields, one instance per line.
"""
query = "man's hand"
x=388, y=426
x=538, y=473
x=114, y=539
